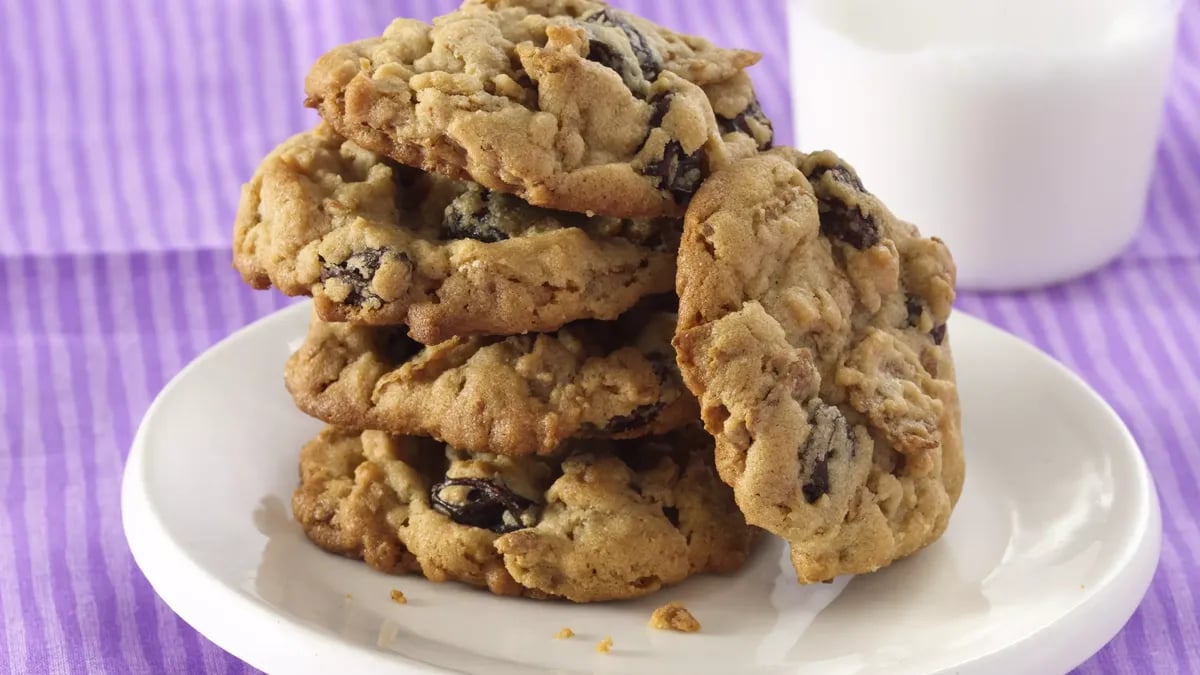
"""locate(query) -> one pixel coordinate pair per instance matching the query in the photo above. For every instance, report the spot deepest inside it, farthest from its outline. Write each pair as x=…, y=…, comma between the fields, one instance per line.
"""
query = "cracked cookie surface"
x=813, y=331
x=570, y=104
x=516, y=395
x=604, y=520
x=377, y=243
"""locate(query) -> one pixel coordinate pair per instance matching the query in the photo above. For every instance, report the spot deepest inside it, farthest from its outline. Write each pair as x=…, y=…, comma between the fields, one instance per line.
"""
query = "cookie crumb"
x=564, y=634
x=398, y=597
x=604, y=646
x=674, y=616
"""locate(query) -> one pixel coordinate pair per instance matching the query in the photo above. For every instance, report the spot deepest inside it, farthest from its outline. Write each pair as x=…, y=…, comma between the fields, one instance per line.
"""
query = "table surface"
x=127, y=131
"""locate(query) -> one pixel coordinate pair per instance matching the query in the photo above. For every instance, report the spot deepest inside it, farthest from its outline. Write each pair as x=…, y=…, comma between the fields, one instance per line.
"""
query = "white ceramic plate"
x=1051, y=548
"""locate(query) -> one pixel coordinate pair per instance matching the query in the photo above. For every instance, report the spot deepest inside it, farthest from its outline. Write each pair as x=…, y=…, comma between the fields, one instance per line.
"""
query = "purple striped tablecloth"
x=126, y=129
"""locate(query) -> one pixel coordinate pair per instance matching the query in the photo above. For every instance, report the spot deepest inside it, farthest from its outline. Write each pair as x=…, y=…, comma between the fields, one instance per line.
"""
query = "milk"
x=1022, y=132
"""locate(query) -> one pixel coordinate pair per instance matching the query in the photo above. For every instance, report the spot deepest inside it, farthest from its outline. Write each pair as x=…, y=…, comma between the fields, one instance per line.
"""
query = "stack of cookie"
x=508, y=222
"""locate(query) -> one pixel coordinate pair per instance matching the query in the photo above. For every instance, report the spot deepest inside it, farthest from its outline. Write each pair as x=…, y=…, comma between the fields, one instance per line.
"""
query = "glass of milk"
x=1022, y=132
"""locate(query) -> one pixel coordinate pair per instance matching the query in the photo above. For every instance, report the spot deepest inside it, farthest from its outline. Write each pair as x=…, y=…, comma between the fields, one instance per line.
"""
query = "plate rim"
x=224, y=615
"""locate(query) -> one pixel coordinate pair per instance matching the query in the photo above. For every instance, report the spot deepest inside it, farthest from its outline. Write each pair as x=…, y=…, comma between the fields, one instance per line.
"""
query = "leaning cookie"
x=519, y=395
x=570, y=104
x=381, y=244
x=605, y=520
x=813, y=330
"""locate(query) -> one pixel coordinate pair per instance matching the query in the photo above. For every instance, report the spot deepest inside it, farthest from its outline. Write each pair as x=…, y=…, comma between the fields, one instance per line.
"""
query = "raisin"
x=843, y=175
x=634, y=419
x=357, y=272
x=840, y=174
x=471, y=216
x=459, y=228
x=487, y=505
x=741, y=123
x=842, y=221
x=649, y=61
x=914, y=307
x=828, y=436
x=848, y=224
x=677, y=171
x=912, y=304
x=604, y=54
x=610, y=57
x=662, y=106
x=818, y=481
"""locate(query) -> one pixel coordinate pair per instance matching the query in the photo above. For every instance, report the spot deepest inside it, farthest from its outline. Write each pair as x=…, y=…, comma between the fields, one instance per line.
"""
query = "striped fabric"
x=127, y=128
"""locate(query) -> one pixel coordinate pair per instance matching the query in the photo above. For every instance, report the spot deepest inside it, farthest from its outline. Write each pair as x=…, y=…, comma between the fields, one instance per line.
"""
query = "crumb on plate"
x=674, y=616
x=604, y=646
x=564, y=634
x=398, y=597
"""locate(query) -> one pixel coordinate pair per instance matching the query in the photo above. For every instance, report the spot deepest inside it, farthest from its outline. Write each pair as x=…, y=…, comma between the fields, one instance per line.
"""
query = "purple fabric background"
x=127, y=130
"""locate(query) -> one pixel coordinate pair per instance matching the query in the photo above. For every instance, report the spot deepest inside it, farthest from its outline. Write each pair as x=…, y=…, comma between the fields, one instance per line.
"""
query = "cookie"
x=518, y=395
x=377, y=243
x=813, y=331
x=605, y=520
x=570, y=104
